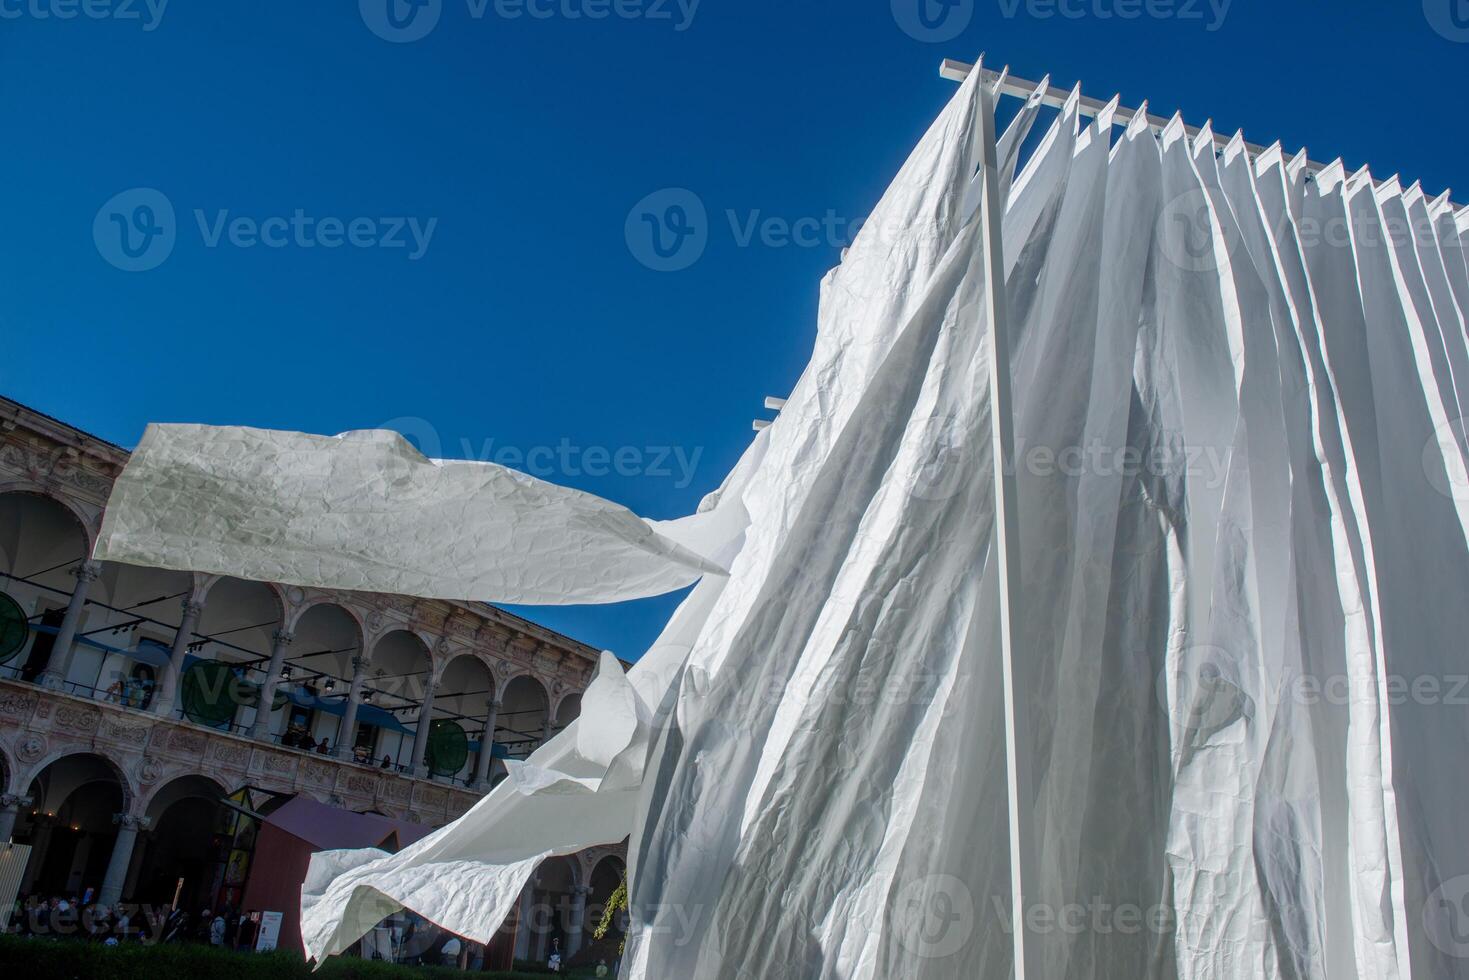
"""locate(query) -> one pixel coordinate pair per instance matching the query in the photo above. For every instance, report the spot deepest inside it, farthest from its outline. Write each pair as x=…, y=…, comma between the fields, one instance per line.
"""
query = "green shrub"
x=72, y=959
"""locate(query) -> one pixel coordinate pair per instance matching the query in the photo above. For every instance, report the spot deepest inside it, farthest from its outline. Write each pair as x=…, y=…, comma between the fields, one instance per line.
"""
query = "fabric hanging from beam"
x=1245, y=537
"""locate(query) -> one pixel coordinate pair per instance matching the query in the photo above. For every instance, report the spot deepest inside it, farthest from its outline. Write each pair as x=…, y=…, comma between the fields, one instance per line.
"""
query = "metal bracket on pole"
x=1007, y=544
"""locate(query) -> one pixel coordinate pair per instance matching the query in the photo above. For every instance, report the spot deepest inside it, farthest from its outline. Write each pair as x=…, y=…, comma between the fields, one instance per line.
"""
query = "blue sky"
x=442, y=233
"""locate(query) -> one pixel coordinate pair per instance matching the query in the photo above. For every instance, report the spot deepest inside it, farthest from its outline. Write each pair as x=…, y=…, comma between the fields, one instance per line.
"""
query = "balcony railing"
x=46, y=723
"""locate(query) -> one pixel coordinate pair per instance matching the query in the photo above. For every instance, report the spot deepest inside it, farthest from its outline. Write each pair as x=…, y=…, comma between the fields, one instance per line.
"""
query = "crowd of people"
x=63, y=917
x=297, y=737
x=412, y=942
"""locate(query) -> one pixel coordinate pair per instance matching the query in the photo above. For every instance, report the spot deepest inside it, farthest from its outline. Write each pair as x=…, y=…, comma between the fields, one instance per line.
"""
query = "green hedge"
x=72, y=959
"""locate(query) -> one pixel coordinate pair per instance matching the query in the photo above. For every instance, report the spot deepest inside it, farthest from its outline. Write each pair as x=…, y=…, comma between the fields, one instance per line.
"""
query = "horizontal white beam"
x=774, y=404
x=957, y=71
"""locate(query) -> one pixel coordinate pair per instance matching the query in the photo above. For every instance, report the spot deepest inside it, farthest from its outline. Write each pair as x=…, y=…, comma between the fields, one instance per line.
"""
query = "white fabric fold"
x=367, y=511
x=1244, y=487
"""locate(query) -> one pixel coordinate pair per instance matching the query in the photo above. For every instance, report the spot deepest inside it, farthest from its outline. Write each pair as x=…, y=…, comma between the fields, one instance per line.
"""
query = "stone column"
x=168, y=687
x=280, y=642
x=122, y=856
x=347, y=733
x=487, y=746
x=420, y=734
x=578, y=918
x=546, y=728
x=526, y=923
x=59, y=663
x=542, y=914
x=40, y=845
x=135, y=866
x=10, y=807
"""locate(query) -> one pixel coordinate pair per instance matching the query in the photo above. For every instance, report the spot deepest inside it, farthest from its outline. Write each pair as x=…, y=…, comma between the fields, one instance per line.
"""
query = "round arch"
x=556, y=881
x=99, y=767
x=230, y=584
x=402, y=663
x=43, y=540
x=605, y=877
x=148, y=609
x=71, y=827
x=184, y=842
x=312, y=602
x=181, y=787
x=401, y=667
x=568, y=709
x=87, y=522
x=462, y=694
x=327, y=636
x=241, y=619
x=525, y=708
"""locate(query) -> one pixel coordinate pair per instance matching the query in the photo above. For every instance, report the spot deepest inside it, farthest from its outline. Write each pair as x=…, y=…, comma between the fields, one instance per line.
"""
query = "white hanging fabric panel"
x=367, y=511
x=1244, y=527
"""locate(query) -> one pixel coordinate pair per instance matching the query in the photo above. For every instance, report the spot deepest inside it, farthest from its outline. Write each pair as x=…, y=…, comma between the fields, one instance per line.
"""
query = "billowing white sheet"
x=1243, y=489
x=367, y=511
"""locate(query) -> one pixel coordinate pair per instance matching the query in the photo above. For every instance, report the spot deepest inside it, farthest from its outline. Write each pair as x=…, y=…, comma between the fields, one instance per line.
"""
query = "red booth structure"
x=291, y=834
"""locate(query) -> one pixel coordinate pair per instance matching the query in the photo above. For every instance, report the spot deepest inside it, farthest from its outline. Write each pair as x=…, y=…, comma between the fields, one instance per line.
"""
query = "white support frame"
x=1019, y=786
x=1007, y=84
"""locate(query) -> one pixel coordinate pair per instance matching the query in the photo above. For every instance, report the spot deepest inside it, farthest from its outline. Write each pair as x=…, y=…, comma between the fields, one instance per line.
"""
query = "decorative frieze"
x=362, y=783
x=278, y=762
x=117, y=731
x=319, y=773
x=78, y=718
x=16, y=705
x=232, y=754
x=183, y=740
x=431, y=798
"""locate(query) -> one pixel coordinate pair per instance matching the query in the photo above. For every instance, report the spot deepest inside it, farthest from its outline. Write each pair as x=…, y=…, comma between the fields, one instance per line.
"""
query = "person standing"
x=202, y=926
x=249, y=929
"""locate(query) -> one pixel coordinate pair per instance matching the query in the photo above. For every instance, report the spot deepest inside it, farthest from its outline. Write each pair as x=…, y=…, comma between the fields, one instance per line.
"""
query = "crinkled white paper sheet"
x=1243, y=493
x=367, y=511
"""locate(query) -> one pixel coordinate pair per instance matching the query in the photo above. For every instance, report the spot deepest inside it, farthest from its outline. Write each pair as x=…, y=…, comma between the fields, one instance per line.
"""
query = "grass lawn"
x=71, y=959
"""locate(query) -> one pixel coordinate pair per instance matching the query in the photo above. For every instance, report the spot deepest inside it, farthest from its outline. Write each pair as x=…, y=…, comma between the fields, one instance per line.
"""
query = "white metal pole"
x=1007, y=545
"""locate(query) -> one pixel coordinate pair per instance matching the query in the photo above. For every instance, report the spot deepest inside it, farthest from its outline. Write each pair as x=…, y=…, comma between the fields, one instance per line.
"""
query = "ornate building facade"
x=131, y=699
